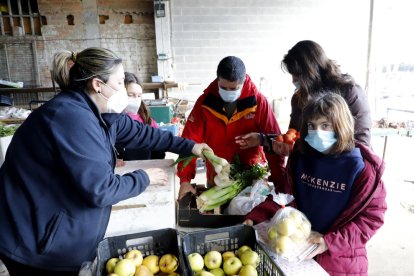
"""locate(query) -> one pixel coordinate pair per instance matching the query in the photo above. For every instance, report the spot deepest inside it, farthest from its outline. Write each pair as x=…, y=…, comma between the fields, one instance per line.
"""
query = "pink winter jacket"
x=364, y=215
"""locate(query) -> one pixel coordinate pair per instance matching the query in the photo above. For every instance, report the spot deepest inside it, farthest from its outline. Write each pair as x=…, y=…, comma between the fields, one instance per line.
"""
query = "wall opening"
x=128, y=19
x=103, y=18
x=71, y=19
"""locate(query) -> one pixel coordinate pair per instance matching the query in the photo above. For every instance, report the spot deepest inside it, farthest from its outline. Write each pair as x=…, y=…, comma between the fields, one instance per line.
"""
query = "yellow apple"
x=168, y=263
x=151, y=262
x=213, y=259
x=218, y=272
x=196, y=261
x=125, y=267
x=232, y=266
x=243, y=249
x=250, y=257
x=227, y=255
x=248, y=270
x=110, y=265
x=142, y=270
x=286, y=226
x=134, y=255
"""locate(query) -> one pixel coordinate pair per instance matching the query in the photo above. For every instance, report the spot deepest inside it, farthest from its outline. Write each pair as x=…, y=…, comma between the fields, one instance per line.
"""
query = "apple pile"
x=288, y=228
x=134, y=263
x=242, y=262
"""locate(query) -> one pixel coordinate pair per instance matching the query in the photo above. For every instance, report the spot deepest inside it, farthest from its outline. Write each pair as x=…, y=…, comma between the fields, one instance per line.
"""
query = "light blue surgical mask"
x=321, y=140
x=229, y=96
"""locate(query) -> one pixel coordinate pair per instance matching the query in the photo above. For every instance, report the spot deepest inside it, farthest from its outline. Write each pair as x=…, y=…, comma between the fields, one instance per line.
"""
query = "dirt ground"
x=391, y=250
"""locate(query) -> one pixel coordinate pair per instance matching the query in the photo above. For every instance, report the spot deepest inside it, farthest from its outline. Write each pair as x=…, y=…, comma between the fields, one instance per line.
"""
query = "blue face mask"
x=229, y=96
x=321, y=140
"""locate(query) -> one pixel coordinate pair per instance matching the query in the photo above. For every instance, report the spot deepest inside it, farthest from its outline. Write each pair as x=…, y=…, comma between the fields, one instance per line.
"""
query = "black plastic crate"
x=156, y=242
x=227, y=239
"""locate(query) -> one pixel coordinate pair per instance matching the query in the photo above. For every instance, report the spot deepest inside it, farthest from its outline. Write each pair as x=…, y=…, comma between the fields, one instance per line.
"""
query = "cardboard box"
x=189, y=216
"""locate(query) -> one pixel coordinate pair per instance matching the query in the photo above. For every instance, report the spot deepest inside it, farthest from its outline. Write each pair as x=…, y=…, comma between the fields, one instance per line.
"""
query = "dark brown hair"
x=143, y=110
x=316, y=73
x=336, y=110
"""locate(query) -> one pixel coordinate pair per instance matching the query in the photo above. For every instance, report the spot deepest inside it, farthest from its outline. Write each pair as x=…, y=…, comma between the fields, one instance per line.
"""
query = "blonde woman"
x=57, y=184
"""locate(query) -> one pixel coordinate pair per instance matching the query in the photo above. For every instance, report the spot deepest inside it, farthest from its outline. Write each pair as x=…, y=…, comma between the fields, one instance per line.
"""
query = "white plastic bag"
x=249, y=198
x=288, y=230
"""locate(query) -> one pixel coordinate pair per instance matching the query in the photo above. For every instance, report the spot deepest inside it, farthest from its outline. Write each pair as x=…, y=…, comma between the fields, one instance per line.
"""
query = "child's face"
x=321, y=123
x=134, y=90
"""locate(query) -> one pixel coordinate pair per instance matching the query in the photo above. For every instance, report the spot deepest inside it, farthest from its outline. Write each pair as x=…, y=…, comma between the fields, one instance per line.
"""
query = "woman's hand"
x=198, y=149
x=249, y=140
x=281, y=148
x=157, y=176
x=317, y=239
x=185, y=187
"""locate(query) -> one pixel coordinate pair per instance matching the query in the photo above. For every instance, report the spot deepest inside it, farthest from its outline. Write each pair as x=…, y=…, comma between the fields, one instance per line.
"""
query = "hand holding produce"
x=283, y=144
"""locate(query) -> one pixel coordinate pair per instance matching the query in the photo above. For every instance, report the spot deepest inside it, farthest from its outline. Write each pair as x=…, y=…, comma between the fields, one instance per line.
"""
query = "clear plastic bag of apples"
x=288, y=230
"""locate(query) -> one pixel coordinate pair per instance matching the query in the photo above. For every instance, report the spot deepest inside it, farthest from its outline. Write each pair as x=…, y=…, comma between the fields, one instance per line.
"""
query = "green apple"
x=168, y=263
x=151, y=261
x=204, y=273
x=134, y=255
x=272, y=234
x=125, y=267
x=306, y=228
x=297, y=236
x=296, y=217
x=232, y=266
x=213, y=259
x=110, y=265
x=248, y=270
x=242, y=249
x=250, y=257
x=217, y=272
x=196, y=261
x=283, y=245
x=227, y=255
x=286, y=226
x=142, y=270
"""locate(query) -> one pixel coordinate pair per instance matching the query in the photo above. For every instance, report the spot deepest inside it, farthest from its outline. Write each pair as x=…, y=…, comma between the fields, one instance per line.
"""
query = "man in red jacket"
x=229, y=107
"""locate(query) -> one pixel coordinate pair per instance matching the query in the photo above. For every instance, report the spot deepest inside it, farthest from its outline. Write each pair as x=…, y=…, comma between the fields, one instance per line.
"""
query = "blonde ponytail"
x=73, y=70
x=61, y=66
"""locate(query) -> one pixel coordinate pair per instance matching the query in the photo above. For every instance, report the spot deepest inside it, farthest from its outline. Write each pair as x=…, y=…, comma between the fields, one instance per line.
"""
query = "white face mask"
x=133, y=105
x=117, y=102
x=229, y=96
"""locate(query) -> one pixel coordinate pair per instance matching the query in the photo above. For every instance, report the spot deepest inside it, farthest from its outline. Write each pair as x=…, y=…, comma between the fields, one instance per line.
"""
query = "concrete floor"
x=391, y=250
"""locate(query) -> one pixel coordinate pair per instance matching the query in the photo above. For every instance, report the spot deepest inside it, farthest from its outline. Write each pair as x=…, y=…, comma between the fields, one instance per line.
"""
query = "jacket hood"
x=365, y=186
x=249, y=88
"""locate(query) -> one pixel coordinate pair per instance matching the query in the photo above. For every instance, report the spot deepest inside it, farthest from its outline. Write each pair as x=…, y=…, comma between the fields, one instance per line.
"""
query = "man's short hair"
x=231, y=68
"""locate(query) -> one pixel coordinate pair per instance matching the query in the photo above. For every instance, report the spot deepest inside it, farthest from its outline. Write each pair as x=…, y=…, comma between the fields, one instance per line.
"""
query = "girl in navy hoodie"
x=337, y=184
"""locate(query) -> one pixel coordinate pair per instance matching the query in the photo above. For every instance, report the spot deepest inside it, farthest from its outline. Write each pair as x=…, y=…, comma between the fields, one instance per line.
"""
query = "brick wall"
x=261, y=33
x=126, y=27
